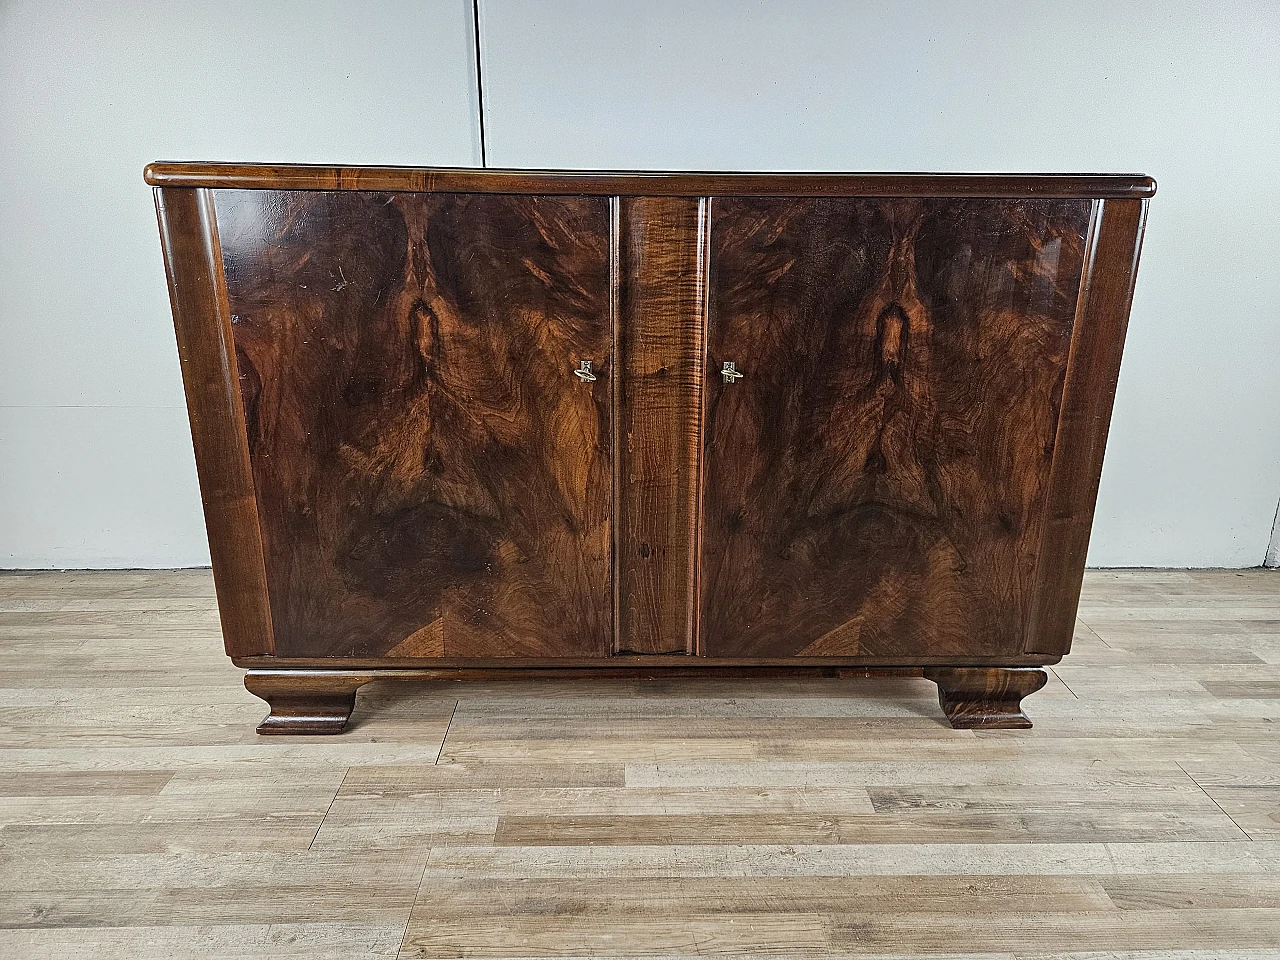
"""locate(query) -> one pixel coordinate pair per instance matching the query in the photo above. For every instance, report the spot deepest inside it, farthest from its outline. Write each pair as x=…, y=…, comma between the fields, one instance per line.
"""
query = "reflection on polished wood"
x=987, y=698
x=432, y=478
x=141, y=817
x=659, y=342
x=509, y=425
x=646, y=183
x=876, y=482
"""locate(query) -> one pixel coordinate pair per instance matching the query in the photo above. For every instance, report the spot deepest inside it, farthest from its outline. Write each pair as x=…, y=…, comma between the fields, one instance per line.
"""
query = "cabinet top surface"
x=648, y=183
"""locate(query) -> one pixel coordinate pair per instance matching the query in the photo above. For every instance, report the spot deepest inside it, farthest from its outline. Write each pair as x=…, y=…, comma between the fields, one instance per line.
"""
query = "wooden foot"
x=305, y=701
x=985, y=697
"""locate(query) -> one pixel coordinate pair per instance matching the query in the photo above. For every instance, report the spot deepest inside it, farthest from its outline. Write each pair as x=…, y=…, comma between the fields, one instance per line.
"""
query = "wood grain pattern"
x=202, y=323
x=1092, y=373
x=432, y=484
x=986, y=698
x=649, y=664
x=876, y=483
x=305, y=701
x=432, y=478
x=645, y=183
x=141, y=818
x=660, y=353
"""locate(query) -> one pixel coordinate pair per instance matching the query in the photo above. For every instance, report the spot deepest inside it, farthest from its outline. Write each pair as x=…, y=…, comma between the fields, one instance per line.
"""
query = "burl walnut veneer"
x=457, y=424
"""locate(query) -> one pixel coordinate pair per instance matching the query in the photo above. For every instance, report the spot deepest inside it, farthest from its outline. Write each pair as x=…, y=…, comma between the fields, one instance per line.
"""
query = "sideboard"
x=476, y=424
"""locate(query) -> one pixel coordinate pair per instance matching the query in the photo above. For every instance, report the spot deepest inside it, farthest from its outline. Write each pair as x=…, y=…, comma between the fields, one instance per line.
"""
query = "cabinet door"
x=875, y=482
x=432, y=477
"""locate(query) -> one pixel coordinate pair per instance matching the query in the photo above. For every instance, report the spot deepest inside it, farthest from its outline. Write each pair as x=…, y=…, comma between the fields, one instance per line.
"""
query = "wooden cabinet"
x=500, y=424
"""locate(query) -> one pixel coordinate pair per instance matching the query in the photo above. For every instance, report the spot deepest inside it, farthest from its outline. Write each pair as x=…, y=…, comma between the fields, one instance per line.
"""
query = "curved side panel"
x=202, y=322
x=1102, y=317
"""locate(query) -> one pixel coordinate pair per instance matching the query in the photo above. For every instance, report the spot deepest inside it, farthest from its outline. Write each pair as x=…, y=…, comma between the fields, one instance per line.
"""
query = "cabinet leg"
x=985, y=697
x=305, y=701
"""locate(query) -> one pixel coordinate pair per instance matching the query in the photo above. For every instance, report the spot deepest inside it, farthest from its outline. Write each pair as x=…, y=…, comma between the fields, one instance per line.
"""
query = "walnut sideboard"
x=457, y=424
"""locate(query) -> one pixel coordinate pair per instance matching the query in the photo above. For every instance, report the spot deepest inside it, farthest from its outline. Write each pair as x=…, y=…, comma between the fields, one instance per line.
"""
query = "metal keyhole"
x=730, y=373
x=584, y=373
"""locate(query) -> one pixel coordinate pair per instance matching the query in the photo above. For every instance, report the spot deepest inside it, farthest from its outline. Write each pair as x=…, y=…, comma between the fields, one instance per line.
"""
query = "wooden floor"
x=141, y=817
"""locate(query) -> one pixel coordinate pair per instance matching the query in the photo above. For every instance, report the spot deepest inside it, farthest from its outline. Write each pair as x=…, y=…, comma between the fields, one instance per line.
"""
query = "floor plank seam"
x=1247, y=834
x=448, y=726
x=328, y=809
x=1063, y=682
x=417, y=896
x=1095, y=634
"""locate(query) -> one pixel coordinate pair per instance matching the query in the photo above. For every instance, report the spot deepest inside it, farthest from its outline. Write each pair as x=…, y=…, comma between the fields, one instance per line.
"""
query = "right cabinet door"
x=875, y=480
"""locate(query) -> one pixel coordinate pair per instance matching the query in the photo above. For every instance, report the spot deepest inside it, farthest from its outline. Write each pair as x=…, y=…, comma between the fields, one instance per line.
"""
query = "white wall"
x=95, y=461
x=1185, y=91
x=96, y=466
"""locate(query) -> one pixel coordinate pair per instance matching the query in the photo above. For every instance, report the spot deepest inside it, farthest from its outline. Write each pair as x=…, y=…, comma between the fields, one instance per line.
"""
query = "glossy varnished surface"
x=986, y=698
x=659, y=337
x=202, y=324
x=432, y=478
x=876, y=482
x=401, y=469
x=647, y=183
x=1092, y=375
x=143, y=819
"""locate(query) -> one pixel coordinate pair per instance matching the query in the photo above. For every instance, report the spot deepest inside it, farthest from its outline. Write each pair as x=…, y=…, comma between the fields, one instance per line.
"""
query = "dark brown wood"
x=202, y=324
x=337, y=678
x=1102, y=318
x=305, y=701
x=432, y=477
x=875, y=483
x=647, y=183
x=660, y=352
x=985, y=697
x=659, y=662
x=458, y=424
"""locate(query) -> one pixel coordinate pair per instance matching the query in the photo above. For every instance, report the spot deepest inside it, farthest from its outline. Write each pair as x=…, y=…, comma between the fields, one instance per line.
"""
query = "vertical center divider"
x=659, y=259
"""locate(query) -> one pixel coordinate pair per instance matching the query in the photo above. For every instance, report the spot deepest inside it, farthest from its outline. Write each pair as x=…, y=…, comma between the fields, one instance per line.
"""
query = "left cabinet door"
x=432, y=477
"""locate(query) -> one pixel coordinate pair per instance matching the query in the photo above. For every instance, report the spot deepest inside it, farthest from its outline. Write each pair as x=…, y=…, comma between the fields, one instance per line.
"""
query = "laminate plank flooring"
x=141, y=817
